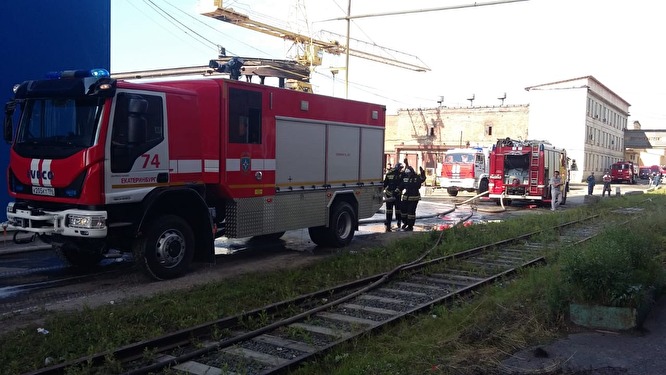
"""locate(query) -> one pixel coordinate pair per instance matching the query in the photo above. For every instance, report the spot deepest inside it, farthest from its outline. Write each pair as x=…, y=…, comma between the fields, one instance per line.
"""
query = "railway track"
x=278, y=337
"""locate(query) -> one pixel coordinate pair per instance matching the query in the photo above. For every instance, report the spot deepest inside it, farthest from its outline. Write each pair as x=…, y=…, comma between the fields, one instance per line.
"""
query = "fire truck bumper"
x=73, y=223
x=456, y=183
x=515, y=197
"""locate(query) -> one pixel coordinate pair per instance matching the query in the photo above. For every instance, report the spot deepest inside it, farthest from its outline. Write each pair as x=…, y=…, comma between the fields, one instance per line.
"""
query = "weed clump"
x=619, y=268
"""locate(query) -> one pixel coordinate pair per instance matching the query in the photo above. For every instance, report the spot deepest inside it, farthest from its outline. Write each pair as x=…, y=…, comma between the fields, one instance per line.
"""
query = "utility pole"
x=347, y=50
x=334, y=71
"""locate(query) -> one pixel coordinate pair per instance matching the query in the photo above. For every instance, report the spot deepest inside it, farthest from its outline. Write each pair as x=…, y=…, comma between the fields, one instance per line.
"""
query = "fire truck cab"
x=521, y=171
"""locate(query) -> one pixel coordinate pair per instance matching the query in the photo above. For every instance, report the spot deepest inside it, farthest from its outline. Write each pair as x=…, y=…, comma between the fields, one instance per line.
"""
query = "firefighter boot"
x=388, y=227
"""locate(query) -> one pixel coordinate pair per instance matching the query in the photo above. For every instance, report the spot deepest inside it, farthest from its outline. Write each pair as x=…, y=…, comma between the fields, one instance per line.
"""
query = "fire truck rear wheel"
x=341, y=230
x=167, y=247
x=343, y=224
x=452, y=192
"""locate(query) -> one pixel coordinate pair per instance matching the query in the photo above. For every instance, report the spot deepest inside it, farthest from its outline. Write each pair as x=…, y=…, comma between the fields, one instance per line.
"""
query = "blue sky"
x=481, y=51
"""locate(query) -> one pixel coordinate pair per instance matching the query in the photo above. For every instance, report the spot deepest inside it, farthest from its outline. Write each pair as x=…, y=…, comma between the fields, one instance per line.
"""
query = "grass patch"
x=619, y=268
x=453, y=339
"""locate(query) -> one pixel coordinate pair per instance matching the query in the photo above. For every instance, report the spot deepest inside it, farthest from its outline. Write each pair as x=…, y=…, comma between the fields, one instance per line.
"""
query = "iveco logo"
x=44, y=175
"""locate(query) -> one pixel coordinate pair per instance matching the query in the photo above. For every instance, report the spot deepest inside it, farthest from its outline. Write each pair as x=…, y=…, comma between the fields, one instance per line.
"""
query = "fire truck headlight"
x=86, y=222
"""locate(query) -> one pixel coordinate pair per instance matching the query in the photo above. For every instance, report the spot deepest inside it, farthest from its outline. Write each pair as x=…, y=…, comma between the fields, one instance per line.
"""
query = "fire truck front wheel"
x=166, y=249
x=341, y=229
x=452, y=191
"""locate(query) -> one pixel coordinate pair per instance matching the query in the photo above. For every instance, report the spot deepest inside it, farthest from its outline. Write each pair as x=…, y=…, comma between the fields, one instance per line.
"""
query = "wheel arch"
x=188, y=204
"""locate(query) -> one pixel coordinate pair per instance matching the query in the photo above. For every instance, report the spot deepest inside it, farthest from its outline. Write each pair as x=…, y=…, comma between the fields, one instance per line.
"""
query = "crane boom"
x=310, y=58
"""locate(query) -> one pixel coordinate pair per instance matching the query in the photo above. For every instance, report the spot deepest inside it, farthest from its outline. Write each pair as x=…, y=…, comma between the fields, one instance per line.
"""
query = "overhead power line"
x=179, y=24
x=402, y=12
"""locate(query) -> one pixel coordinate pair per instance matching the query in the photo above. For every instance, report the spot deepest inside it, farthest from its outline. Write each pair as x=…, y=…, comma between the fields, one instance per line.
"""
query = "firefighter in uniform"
x=392, y=194
x=411, y=183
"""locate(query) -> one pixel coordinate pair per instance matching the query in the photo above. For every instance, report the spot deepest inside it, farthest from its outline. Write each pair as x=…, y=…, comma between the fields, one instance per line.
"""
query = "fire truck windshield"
x=57, y=127
x=460, y=158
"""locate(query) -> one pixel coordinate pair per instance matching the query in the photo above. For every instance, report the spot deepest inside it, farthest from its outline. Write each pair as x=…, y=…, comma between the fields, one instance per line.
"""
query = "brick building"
x=423, y=135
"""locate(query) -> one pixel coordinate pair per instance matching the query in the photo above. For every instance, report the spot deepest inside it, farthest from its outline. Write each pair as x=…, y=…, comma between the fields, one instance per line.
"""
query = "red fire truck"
x=465, y=169
x=162, y=168
x=521, y=170
x=624, y=171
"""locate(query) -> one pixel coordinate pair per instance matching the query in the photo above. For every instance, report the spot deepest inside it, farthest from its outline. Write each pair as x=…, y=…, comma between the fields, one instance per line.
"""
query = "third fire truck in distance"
x=521, y=170
x=161, y=168
x=465, y=169
x=624, y=171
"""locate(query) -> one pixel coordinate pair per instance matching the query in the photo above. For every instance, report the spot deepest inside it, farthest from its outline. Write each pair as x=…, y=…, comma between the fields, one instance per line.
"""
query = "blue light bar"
x=99, y=73
x=63, y=74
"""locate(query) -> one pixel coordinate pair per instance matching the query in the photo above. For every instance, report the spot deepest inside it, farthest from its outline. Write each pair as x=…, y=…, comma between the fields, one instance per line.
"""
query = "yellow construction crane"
x=310, y=49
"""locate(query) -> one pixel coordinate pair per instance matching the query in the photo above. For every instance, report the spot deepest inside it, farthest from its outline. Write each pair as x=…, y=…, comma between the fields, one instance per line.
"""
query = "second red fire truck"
x=162, y=168
x=465, y=169
x=521, y=170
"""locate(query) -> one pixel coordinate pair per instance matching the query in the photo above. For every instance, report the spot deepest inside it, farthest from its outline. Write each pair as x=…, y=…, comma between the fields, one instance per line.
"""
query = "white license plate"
x=39, y=190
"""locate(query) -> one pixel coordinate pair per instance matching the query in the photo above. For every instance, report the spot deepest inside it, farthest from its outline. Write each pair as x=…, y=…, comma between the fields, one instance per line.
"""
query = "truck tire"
x=341, y=229
x=166, y=249
x=343, y=225
x=452, y=191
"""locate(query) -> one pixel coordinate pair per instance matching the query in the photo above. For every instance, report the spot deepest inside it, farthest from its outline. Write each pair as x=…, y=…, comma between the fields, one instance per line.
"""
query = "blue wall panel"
x=42, y=36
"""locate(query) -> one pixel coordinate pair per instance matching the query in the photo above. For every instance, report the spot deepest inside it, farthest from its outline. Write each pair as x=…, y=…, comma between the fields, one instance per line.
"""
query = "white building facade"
x=584, y=117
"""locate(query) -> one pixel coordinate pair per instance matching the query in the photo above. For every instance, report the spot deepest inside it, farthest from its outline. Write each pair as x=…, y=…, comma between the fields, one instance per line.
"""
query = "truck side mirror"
x=136, y=122
x=8, y=130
